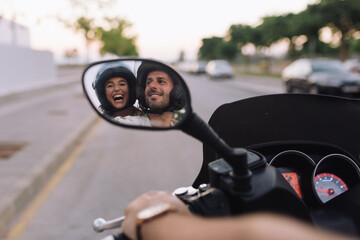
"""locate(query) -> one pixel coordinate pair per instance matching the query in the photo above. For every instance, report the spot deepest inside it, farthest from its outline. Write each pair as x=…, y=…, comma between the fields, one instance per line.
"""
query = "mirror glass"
x=137, y=93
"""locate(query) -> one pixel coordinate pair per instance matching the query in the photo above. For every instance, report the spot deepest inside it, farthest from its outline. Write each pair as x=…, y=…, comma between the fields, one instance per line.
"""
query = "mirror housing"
x=137, y=93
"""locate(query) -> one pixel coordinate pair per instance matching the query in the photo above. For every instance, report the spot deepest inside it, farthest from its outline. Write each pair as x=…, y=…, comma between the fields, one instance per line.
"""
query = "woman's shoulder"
x=136, y=111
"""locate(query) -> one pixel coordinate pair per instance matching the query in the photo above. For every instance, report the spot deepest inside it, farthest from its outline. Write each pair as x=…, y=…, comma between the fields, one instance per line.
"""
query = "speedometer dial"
x=328, y=186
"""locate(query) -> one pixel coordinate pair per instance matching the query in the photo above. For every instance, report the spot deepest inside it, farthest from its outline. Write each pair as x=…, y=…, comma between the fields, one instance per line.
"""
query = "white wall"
x=13, y=33
x=23, y=68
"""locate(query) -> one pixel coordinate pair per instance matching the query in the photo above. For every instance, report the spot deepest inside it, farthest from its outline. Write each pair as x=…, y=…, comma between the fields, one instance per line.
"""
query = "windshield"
x=221, y=64
x=333, y=67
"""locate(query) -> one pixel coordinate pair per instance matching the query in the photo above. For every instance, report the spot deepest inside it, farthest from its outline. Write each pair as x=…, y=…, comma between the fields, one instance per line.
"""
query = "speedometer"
x=328, y=186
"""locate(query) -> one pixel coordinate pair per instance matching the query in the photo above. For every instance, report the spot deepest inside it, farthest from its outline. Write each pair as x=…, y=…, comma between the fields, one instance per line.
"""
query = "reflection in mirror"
x=140, y=93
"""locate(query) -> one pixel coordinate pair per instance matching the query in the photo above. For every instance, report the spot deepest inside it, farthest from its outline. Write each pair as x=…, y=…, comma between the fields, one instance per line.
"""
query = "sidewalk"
x=38, y=129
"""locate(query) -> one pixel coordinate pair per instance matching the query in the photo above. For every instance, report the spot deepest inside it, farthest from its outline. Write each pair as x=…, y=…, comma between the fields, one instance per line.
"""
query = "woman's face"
x=117, y=92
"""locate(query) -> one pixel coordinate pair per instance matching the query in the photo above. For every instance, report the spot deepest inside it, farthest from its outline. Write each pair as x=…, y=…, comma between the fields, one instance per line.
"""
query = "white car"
x=353, y=65
x=219, y=69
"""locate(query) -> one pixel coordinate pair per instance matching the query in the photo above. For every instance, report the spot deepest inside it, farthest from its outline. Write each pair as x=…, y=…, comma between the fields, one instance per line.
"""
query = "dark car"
x=323, y=76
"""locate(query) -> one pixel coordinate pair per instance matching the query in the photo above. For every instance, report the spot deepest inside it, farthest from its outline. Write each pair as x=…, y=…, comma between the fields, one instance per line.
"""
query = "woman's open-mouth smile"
x=118, y=98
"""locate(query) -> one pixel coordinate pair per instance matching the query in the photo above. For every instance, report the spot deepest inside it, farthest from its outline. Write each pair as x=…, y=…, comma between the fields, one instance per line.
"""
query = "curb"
x=25, y=189
x=21, y=94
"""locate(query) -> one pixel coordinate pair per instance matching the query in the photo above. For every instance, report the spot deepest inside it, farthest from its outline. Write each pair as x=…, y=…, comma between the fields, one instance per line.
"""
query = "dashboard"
x=316, y=173
x=324, y=175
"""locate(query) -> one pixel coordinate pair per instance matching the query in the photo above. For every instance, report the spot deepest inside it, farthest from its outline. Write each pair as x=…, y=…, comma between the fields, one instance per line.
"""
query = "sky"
x=163, y=28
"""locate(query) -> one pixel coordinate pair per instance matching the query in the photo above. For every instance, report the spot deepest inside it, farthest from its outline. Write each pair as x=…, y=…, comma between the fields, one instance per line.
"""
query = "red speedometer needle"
x=324, y=190
x=329, y=191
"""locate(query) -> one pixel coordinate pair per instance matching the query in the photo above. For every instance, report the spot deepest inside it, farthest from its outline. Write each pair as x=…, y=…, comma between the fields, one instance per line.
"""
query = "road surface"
x=111, y=165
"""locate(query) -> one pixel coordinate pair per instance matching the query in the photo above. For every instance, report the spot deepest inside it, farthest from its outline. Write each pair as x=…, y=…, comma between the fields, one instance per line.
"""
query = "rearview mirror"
x=137, y=93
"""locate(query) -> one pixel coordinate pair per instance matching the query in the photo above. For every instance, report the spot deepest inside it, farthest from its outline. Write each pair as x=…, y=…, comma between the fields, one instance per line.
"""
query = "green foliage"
x=310, y=21
x=274, y=28
x=86, y=26
x=217, y=48
x=229, y=50
x=115, y=40
x=113, y=37
x=355, y=45
x=242, y=34
x=318, y=48
x=210, y=48
x=342, y=16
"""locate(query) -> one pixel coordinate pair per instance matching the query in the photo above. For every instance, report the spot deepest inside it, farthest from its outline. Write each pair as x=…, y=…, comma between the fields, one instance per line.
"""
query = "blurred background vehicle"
x=323, y=76
x=194, y=67
x=219, y=69
x=353, y=65
x=197, y=67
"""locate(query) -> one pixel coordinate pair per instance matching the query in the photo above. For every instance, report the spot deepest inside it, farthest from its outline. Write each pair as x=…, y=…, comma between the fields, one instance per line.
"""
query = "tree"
x=210, y=48
x=272, y=29
x=242, y=34
x=86, y=26
x=343, y=17
x=229, y=50
x=217, y=47
x=80, y=20
x=307, y=23
x=115, y=40
x=355, y=46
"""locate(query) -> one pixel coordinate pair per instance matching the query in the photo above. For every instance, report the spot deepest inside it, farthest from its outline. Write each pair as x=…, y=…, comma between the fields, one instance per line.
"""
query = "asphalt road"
x=114, y=165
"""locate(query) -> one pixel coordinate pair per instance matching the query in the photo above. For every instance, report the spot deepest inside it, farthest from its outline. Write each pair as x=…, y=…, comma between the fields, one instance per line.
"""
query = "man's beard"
x=158, y=104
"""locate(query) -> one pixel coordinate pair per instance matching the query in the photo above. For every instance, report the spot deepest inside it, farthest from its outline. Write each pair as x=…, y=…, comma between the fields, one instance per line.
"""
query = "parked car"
x=323, y=76
x=197, y=67
x=194, y=67
x=353, y=65
x=219, y=69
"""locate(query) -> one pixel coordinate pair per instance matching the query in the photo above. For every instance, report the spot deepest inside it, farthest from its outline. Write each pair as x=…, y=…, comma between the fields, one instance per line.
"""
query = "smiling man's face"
x=157, y=90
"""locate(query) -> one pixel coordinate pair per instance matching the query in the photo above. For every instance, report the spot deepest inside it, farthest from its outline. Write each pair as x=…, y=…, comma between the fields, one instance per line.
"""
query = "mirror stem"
x=197, y=128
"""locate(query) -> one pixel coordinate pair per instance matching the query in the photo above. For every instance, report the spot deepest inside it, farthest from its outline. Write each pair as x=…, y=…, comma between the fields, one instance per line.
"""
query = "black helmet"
x=177, y=98
x=99, y=85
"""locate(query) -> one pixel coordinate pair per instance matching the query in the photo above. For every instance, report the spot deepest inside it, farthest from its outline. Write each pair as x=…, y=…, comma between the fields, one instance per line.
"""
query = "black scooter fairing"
x=286, y=120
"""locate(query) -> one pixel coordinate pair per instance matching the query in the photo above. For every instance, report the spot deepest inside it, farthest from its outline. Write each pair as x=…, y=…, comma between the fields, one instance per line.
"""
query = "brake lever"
x=101, y=224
